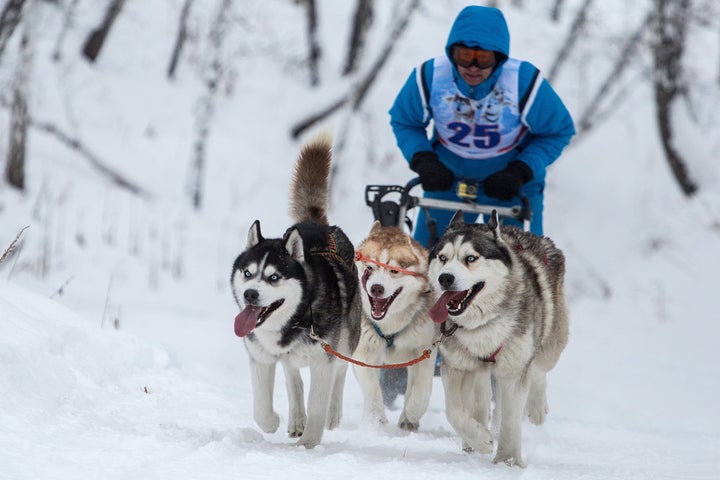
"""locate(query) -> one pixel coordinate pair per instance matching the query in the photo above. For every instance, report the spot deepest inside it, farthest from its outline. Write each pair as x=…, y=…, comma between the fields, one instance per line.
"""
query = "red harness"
x=362, y=258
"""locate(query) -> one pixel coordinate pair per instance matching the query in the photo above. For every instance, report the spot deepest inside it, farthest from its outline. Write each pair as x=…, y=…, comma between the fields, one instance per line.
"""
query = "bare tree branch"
x=589, y=115
x=180, y=40
x=9, y=19
x=571, y=40
x=75, y=144
x=357, y=94
x=11, y=247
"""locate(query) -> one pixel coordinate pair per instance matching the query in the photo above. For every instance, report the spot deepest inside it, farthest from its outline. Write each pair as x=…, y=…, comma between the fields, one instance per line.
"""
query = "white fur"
x=415, y=332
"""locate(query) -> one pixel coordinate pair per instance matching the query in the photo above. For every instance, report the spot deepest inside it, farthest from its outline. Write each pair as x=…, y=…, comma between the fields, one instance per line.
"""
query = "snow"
x=117, y=353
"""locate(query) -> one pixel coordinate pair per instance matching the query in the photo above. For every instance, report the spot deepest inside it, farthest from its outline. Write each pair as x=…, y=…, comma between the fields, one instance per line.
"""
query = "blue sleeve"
x=408, y=117
x=549, y=122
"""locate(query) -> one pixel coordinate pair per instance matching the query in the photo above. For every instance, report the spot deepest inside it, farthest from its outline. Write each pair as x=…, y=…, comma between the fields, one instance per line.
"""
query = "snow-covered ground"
x=117, y=353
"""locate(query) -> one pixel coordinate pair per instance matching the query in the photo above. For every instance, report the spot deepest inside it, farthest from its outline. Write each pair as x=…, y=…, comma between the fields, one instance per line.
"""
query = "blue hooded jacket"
x=548, y=121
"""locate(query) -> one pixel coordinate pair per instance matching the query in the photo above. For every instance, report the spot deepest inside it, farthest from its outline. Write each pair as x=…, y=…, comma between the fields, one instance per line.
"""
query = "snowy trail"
x=84, y=402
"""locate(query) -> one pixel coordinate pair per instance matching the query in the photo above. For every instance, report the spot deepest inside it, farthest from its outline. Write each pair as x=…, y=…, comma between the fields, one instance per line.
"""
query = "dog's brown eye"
x=369, y=268
x=393, y=271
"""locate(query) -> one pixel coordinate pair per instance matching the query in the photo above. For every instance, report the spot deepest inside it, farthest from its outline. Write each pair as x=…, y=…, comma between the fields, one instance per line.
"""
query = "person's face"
x=474, y=64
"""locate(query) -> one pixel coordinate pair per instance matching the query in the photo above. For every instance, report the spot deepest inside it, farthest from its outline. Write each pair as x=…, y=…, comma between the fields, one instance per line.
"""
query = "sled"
x=390, y=204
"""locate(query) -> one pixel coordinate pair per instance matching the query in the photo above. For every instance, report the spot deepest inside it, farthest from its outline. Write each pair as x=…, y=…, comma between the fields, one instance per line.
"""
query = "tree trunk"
x=9, y=19
x=96, y=39
x=314, y=50
x=671, y=17
x=15, y=166
x=207, y=105
x=363, y=20
x=180, y=40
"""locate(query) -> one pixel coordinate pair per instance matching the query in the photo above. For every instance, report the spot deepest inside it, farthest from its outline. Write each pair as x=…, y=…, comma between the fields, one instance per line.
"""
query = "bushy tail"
x=310, y=186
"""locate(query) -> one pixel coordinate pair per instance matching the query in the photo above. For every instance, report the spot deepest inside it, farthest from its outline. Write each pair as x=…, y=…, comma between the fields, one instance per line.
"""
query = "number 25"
x=485, y=136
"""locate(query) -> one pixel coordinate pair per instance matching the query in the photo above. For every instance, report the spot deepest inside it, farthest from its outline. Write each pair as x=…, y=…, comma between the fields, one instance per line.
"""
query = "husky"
x=294, y=292
x=396, y=328
x=503, y=312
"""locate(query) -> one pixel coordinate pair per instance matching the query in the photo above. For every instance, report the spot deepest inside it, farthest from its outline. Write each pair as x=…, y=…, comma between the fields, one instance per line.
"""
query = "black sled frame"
x=391, y=203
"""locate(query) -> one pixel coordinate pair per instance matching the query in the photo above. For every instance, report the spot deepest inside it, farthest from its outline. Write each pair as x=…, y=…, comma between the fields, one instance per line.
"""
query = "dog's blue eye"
x=274, y=277
x=442, y=258
x=247, y=274
x=470, y=258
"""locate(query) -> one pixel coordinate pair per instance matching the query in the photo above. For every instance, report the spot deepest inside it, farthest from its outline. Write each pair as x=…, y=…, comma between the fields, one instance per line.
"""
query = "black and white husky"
x=292, y=291
x=502, y=302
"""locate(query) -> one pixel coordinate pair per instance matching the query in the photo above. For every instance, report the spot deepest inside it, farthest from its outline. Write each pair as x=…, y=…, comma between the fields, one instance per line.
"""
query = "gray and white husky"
x=396, y=327
x=501, y=291
x=292, y=291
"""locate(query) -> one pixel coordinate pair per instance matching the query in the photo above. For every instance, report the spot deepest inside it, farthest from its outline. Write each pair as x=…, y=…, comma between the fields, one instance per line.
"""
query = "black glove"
x=434, y=176
x=506, y=183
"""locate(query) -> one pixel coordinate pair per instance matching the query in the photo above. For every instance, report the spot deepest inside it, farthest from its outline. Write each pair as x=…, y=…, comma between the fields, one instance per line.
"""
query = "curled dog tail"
x=310, y=186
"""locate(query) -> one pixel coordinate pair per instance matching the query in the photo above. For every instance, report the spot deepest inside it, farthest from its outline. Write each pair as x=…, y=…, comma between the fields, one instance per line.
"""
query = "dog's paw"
x=537, y=411
x=536, y=408
x=296, y=427
x=268, y=423
x=308, y=441
x=408, y=426
x=509, y=460
x=333, y=418
x=481, y=443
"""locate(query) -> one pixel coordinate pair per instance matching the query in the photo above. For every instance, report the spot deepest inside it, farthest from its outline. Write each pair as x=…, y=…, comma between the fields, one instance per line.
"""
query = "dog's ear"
x=494, y=224
x=376, y=226
x=294, y=245
x=254, y=235
x=457, y=220
x=494, y=220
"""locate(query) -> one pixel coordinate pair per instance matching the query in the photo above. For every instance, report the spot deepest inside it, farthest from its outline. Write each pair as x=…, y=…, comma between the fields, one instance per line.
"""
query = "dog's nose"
x=377, y=290
x=446, y=280
x=251, y=295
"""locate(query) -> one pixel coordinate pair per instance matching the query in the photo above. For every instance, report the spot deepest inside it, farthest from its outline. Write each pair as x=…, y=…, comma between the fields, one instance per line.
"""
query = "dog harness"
x=448, y=332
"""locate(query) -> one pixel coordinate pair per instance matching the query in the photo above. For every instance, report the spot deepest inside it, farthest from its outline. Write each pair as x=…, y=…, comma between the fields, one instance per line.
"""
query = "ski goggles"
x=466, y=57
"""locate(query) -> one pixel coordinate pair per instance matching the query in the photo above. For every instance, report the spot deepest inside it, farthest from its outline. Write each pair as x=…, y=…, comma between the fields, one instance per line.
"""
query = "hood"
x=480, y=27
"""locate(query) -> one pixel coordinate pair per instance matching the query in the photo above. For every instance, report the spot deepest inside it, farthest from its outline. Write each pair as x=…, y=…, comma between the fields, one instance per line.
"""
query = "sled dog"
x=501, y=291
x=292, y=291
x=396, y=328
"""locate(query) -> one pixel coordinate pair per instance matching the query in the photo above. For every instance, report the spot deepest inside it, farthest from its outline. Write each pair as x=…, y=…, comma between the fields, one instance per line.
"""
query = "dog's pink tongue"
x=439, y=311
x=246, y=320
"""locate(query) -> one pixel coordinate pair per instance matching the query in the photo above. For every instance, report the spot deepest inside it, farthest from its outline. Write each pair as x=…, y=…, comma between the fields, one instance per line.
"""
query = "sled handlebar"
x=392, y=212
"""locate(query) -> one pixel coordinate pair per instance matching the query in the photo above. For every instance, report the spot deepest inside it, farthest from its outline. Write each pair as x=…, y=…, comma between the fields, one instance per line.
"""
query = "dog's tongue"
x=439, y=311
x=246, y=320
